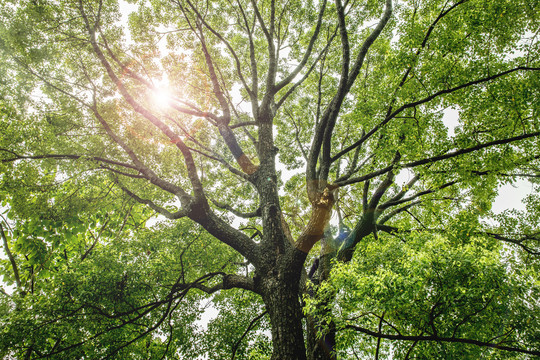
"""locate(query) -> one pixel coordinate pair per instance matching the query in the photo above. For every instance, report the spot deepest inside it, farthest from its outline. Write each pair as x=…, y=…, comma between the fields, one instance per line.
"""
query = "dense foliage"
x=268, y=180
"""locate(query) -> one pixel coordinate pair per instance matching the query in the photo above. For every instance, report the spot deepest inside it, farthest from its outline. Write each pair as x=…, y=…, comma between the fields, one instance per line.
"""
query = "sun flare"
x=161, y=96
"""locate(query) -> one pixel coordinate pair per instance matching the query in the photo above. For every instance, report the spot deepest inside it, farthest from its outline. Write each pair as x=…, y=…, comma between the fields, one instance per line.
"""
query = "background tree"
x=194, y=111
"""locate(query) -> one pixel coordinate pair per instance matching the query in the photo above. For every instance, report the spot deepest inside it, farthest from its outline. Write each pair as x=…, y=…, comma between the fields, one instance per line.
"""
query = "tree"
x=349, y=96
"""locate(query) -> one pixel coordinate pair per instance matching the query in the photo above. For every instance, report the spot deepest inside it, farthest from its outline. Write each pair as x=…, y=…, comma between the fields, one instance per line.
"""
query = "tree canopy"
x=319, y=174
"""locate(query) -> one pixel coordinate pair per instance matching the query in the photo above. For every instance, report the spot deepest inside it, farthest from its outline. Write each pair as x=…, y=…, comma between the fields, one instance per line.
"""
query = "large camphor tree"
x=318, y=175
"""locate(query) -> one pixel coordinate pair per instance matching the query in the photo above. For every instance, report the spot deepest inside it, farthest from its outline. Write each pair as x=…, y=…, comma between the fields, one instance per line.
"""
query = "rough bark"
x=280, y=264
x=282, y=303
x=279, y=285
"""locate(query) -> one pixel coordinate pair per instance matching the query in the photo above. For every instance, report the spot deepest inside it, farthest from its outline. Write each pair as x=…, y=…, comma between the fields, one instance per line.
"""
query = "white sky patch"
x=511, y=196
x=450, y=120
x=8, y=289
x=125, y=10
x=287, y=174
x=209, y=314
x=403, y=177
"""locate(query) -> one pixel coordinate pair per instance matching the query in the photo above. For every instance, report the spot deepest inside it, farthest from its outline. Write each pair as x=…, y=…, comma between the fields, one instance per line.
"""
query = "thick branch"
x=325, y=128
x=321, y=210
x=383, y=186
x=355, y=70
x=252, y=214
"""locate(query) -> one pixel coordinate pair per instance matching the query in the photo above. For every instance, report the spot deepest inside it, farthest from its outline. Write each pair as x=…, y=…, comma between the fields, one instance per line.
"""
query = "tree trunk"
x=281, y=297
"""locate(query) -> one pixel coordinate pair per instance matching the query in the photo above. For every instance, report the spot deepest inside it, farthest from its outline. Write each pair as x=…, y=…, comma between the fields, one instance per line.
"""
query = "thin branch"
x=96, y=239
x=394, y=202
x=178, y=291
x=11, y=259
x=248, y=329
x=172, y=216
x=403, y=190
x=434, y=159
x=352, y=166
x=441, y=339
x=227, y=44
x=393, y=213
x=252, y=57
x=190, y=110
x=518, y=242
x=470, y=149
x=223, y=122
x=214, y=156
x=308, y=72
x=139, y=165
x=379, y=339
x=307, y=52
x=425, y=100
x=66, y=157
x=442, y=14
x=123, y=173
